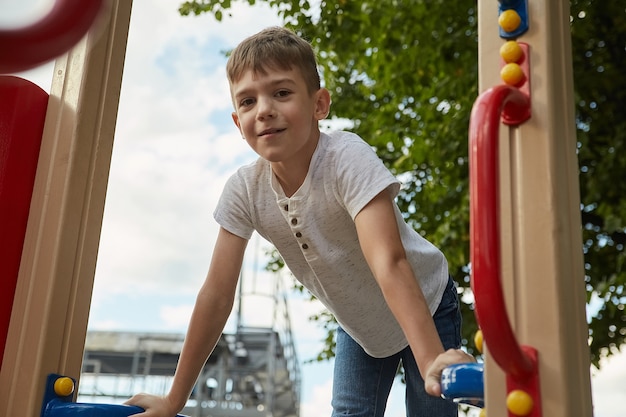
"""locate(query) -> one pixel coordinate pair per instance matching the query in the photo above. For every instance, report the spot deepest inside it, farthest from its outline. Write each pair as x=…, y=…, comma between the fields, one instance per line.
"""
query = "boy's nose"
x=265, y=109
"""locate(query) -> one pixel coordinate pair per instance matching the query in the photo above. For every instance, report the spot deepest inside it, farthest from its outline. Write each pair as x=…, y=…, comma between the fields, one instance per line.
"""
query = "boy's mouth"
x=270, y=131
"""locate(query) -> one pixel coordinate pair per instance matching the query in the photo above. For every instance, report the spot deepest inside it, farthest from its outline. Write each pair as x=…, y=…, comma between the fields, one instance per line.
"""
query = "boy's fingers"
x=138, y=401
x=432, y=382
x=433, y=387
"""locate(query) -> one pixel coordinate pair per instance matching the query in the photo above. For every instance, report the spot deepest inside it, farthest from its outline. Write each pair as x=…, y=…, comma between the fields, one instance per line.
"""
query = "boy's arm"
x=213, y=306
x=380, y=241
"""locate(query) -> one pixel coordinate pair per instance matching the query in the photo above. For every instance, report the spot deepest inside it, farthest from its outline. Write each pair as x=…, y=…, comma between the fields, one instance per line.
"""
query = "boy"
x=326, y=202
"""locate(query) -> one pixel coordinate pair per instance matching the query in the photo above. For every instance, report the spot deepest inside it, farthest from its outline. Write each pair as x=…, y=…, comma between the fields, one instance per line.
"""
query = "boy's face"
x=277, y=115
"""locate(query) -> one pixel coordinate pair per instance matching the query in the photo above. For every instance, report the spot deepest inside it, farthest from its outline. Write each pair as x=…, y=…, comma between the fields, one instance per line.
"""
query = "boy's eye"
x=283, y=93
x=246, y=102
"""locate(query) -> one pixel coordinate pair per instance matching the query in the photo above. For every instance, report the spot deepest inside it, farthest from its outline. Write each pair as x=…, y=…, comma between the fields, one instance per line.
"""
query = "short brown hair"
x=274, y=47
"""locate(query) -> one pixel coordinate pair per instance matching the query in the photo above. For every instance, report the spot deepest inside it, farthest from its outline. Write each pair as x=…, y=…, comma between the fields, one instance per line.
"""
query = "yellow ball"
x=64, y=386
x=510, y=51
x=519, y=403
x=512, y=74
x=483, y=413
x=478, y=340
x=509, y=20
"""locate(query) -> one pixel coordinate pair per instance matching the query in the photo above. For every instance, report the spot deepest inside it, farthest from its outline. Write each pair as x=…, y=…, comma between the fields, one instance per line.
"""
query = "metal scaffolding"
x=253, y=372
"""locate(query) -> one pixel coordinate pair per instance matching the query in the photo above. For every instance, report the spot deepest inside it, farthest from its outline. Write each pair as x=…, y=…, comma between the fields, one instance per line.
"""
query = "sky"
x=175, y=146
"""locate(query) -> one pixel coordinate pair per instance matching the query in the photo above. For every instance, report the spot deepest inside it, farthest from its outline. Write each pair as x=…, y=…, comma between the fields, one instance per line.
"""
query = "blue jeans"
x=361, y=383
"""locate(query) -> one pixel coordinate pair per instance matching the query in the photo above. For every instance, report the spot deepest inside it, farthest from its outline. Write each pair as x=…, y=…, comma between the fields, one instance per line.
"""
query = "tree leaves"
x=599, y=54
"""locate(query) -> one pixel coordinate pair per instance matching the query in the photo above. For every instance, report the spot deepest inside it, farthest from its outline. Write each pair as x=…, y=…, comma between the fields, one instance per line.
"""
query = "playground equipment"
x=530, y=299
x=526, y=249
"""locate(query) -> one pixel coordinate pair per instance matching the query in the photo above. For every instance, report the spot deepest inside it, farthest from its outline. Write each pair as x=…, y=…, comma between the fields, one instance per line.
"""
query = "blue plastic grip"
x=58, y=408
x=55, y=405
x=463, y=383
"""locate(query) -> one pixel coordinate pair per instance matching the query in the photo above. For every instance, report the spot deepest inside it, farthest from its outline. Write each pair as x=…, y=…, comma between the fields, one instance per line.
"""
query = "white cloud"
x=609, y=387
x=176, y=316
x=175, y=147
x=108, y=325
x=319, y=403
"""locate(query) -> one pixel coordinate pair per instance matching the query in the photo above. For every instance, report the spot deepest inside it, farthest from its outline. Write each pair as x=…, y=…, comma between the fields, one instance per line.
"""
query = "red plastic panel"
x=22, y=115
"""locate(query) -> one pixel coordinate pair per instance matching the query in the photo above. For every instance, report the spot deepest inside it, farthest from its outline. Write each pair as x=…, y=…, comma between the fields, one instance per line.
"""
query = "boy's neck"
x=292, y=173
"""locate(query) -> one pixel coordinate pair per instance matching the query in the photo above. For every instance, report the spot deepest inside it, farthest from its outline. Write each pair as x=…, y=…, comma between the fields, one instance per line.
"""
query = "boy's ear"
x=322, y=104
x=236, y=120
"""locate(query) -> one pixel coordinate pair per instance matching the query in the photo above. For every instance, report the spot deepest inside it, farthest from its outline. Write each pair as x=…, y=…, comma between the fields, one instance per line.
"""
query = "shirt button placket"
x=294, y=222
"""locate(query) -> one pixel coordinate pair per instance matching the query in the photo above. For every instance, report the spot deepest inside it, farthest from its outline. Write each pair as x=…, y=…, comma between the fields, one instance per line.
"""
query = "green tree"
x=405, y=75
x=599, y=56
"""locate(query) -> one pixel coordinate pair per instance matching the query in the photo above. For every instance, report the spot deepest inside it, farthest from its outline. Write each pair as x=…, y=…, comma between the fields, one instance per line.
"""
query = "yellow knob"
x=510, y=51
x=519, y=403
x=512, y=74
x=509, y=20
x=64, y=386
x=483, y=413
x=478, y=340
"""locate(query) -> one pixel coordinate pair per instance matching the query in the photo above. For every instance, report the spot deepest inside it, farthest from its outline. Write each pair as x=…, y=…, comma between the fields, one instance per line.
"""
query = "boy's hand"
x=432, y=380
x=153, y=405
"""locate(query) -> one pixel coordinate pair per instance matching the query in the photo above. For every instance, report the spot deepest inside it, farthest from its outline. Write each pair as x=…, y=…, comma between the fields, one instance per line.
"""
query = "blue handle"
x=58, y=408
x=463, y=383
x=61, y=405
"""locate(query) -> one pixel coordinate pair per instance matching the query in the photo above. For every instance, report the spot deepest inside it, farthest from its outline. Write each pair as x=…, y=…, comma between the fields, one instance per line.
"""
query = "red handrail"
x=53, y=35
x=514, y=107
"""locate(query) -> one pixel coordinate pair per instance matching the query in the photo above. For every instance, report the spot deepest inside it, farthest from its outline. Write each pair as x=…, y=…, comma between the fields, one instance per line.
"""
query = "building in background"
x=253, y=372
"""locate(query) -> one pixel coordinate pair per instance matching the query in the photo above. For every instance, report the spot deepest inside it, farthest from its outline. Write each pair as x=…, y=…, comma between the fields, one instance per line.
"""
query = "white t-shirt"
x=314, y=232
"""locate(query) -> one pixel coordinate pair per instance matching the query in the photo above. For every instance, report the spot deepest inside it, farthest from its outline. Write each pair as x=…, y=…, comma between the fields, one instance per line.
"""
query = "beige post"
x=53, y=295
x=542, y=258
